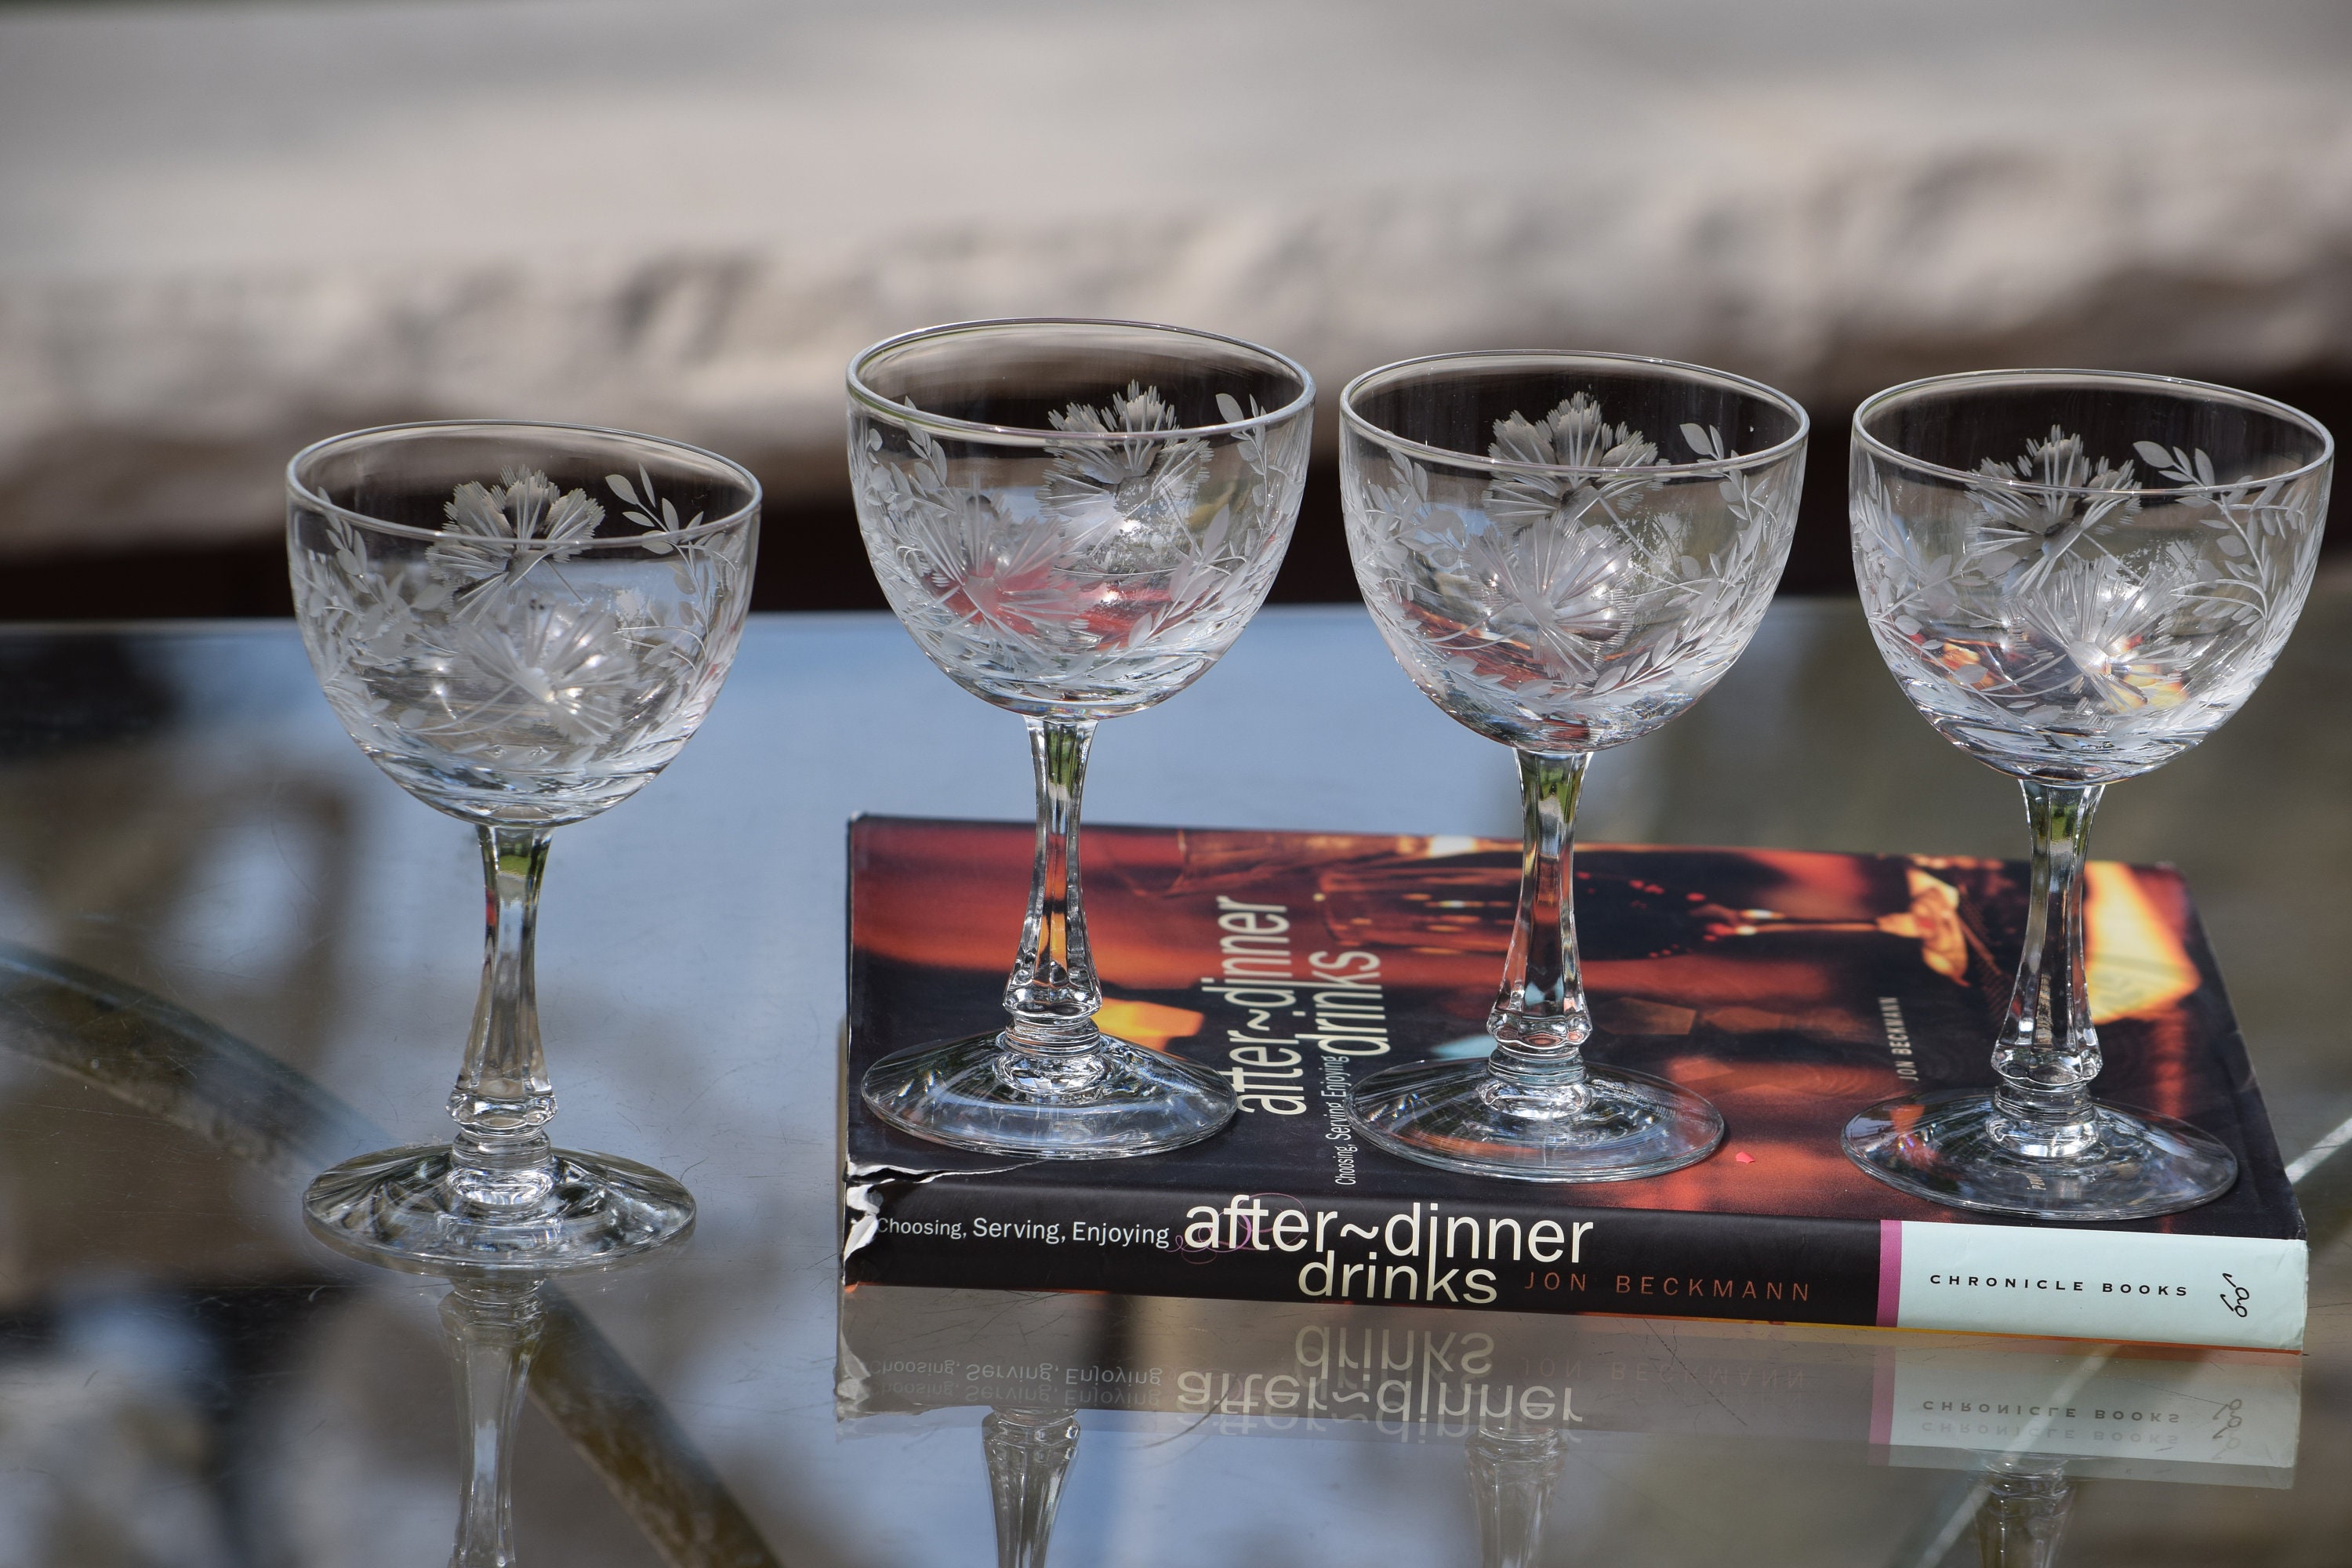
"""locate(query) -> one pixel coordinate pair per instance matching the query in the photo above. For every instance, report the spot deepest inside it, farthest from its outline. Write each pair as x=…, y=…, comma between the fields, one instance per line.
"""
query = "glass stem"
x=1052, y=1044
x=500, y=1161
x=1029, y=1454
x=2023, y=1515
x=1540, y=1021
x=494, y=1331
x=1514, y=1466
x=2049, y=1053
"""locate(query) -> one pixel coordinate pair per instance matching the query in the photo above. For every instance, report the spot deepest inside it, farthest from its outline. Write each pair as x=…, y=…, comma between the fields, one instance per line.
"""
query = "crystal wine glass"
x=1564, y=551
x=522, y=624
x=2075, y=577
x=1074, y=520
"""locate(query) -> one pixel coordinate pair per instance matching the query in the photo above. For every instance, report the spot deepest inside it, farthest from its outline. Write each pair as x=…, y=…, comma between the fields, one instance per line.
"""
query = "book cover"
x=1791, y=988
x=1418, y=1375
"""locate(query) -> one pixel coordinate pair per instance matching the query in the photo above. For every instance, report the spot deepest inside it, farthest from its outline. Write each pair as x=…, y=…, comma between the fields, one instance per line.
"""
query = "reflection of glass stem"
x=1029, y=1454
x=1540, y=1021
x=500, y=1163
x=494, y=1331
x=2049, y=1053
x=1513, y=1467
x=1051, y=993
x=2023, y=1514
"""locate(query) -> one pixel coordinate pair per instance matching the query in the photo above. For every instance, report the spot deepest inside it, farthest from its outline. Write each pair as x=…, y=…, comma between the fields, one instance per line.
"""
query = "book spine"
x=1016, y=1232
x=2240, y=1292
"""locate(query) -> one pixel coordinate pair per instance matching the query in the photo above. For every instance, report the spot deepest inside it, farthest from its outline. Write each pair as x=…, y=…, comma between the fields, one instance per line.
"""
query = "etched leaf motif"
x=1569, y=605
x=2085, y=624
x=665, y=535
x=986, y=570
x=518, y=656
x=1135, y=549
x=1908, y=583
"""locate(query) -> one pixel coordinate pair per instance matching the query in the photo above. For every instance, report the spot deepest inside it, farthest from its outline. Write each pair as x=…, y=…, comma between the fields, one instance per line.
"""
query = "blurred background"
x=228, y=228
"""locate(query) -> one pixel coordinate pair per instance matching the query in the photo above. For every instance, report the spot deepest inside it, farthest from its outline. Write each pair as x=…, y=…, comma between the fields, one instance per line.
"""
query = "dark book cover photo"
x=1789, y=988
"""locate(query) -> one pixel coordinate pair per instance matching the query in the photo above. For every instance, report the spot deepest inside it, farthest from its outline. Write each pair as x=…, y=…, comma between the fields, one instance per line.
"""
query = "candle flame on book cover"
x=1791, y=988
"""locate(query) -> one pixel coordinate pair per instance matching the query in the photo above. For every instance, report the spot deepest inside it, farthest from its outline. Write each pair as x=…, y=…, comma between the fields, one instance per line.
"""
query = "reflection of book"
x=1791, y=989
x=1410, y=1374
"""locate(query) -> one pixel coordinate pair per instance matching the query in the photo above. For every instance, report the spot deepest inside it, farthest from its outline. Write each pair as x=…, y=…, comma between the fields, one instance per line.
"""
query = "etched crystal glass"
x=522, y=624
x=1074, y=520
x=2075, y=575
x=1564, y=551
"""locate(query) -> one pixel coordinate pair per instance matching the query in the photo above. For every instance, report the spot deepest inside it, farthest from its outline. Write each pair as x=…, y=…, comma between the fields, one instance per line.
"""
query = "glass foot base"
x=394, y=1209
x=1941, y=1147
x=970, y=1093
x=1459, y=1116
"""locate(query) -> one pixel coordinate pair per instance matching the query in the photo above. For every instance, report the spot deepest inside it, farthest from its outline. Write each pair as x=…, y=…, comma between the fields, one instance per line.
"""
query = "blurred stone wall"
x=226, y=229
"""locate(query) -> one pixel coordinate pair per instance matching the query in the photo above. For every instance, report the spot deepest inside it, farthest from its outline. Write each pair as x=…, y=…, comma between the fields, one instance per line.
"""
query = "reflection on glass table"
x=505, y=1333
x=187, y=1378
x=1513, y=1387
x=494, y=1326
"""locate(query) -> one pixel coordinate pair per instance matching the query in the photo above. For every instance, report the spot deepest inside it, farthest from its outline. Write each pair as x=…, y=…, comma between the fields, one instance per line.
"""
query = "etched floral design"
x=1270, y=454
x=2032, y=530
x=1557, y=593
x=1574, y=435
x=2084, y=629
x=521, y=654
x=1114, y=575
x=500, y=531
x=985, y=578
x=1130, y=502
x=1569, y=605
x=2255, y=562
x=1745, y=568
x=563, y=668
x=2072, y=620
x=979, y=565
x=1912, y=583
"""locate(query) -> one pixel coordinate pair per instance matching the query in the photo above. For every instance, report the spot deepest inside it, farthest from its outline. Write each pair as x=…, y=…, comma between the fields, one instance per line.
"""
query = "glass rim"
x=295, y=483
x=946, y=425
x=2148, y=380
x=1778, y=451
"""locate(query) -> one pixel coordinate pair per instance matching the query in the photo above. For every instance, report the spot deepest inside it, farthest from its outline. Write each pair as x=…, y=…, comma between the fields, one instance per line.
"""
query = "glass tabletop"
x=236, y=953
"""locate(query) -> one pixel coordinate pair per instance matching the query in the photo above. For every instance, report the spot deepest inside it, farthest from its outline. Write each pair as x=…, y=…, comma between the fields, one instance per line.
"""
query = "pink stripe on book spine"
x=1890, y=1273
x=1881, y=1396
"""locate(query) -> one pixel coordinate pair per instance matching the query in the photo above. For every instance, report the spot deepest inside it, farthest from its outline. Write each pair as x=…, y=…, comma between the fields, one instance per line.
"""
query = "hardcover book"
x=1789, y=988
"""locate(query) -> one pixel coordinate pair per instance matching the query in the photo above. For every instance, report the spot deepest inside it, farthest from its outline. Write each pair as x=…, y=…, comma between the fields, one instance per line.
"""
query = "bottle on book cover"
x=1791, y=988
